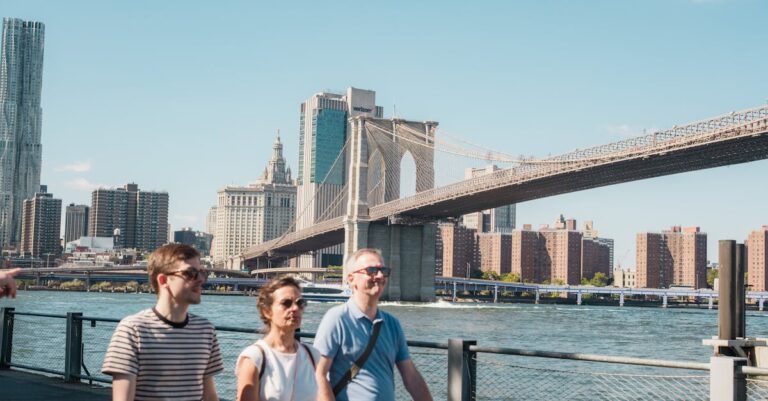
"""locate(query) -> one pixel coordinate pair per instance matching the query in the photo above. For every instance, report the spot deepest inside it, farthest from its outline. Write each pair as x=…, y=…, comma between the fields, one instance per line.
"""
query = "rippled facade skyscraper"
x=21, y=81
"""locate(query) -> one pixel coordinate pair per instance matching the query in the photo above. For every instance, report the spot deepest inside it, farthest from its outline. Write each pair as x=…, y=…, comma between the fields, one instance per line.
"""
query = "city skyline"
x=593, y=73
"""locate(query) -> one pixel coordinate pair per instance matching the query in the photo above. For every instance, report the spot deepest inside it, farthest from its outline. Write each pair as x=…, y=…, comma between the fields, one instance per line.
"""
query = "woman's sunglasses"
x=288, y=303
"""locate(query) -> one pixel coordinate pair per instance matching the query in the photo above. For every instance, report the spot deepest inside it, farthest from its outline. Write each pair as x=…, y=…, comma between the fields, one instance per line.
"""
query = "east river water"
x=673, y=334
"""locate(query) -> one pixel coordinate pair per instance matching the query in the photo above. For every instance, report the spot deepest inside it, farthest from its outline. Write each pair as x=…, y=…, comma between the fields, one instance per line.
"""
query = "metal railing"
x=73, y=346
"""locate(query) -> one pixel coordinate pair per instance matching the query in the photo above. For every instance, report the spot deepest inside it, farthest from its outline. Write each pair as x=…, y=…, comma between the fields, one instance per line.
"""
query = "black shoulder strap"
x=263, y=361
x=264, y=358
x=311, y=357
x=355, y=368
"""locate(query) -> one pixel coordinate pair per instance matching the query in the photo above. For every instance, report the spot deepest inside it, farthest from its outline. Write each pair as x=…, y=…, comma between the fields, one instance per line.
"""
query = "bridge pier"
x=454, y=291
x=711, y=303
x=88, y=282
x=664, y=303
x=578, y=298
x=760, y=304
x=621, y=299
x=537, y=297
x=495, y=294
x=409, y=249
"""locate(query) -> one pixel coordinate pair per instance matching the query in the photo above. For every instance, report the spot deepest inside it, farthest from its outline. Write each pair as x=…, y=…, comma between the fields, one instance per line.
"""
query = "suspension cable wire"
x=292, y=227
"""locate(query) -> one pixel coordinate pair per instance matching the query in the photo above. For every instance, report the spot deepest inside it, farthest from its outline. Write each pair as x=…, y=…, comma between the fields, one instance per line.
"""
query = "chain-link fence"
x=503, y=377
x=432, y=363
x=96, y=334
x=39, y=342
x=757, y=388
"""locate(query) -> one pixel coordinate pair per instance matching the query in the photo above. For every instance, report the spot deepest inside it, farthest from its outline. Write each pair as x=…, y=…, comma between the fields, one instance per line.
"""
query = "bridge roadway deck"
x=22, y=386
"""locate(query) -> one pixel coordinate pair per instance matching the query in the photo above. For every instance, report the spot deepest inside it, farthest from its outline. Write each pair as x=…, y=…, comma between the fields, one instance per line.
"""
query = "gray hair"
x=349, y=265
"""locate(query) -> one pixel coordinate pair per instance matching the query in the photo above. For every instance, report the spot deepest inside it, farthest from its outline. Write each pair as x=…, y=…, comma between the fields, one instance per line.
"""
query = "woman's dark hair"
x=265, y=299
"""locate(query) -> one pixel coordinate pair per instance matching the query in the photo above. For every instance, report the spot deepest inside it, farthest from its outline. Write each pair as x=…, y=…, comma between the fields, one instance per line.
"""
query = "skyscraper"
x=323, y=129
x=137, y=219
x=41, y=225
x=21, y=80
x=76, y=222
x=249, y=215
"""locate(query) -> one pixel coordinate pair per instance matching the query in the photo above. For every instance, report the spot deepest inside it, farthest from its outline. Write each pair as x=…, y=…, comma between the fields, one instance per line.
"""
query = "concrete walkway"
x=21, y=386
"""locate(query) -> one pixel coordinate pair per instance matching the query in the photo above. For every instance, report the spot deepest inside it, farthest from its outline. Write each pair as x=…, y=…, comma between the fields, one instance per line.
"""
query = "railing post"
x=6, y=337
x=462, y=370
x=726, y=382
x=73, y=356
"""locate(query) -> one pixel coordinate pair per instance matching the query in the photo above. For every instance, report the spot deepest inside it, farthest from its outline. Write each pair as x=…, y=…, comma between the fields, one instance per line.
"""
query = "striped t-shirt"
x=170, y=360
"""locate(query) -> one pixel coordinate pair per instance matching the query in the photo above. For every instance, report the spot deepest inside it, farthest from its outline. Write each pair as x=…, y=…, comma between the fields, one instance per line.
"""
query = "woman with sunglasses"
x=278, y=367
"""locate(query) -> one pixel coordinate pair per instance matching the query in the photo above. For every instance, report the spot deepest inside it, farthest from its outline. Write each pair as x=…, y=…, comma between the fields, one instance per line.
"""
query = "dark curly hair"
x=265, y=299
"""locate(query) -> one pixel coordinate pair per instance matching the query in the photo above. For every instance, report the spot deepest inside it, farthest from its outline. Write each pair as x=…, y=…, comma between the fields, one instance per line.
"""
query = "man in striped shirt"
x=165, y=353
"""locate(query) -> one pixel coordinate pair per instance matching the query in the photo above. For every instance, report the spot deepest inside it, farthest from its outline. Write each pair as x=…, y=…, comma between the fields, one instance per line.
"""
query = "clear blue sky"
x=185, y=96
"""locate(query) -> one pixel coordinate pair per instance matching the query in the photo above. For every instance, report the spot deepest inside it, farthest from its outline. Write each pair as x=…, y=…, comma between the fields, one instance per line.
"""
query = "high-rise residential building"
x=21, y=82
x=757, y=259
x=558, y=254
x=673, y=257
x=261, y=211
x=590, y=233
x=561, y=260
x=323, y=128
x=152, y=228
x=497, y=220
x=526, y=252
x=454, y=249
x=41, y=225
x=136, y=219
x=75, y=222
x=493, y=252
x=595, y=258
x=198, y=239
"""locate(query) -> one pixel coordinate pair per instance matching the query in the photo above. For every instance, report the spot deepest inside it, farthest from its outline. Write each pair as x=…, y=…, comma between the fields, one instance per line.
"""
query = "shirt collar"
x=356, y=313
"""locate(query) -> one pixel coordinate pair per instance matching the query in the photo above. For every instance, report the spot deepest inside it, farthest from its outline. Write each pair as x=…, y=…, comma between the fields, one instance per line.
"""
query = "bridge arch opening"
x=407, y=175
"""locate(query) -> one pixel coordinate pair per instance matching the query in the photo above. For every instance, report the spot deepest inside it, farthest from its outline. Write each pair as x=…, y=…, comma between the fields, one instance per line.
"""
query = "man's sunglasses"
x=288, y=303
x=190, y=274
x=372, y=270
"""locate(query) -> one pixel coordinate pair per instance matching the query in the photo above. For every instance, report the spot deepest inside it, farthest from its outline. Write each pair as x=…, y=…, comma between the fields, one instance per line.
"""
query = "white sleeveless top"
x=287, y=377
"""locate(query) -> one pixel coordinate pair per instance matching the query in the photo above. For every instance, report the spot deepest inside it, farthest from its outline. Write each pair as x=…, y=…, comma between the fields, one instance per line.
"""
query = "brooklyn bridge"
x=369, y=212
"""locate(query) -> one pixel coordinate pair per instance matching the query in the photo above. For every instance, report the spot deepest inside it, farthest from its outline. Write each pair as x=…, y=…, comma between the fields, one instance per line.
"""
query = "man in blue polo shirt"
x=344, y=334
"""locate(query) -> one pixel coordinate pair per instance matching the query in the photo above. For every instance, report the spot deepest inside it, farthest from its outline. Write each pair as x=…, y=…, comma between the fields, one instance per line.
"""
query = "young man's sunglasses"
x=288, y=303
x=372, y=270
x=190, y=274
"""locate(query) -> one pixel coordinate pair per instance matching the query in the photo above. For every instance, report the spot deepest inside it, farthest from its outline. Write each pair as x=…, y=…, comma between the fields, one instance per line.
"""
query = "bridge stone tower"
x=377, y=147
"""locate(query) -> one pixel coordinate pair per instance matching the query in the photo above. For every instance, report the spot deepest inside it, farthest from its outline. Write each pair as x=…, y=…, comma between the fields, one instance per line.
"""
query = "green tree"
x=711, y=276
x=476, y=274
x=600, y=279
x=511, y=277
x=73, y=285
x=491, y=275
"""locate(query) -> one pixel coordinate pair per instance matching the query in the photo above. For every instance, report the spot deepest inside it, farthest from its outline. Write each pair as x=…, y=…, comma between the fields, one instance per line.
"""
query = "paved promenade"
x=22, y=386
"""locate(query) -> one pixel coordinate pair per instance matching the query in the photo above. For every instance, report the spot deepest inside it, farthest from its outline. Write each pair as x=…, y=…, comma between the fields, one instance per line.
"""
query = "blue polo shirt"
x=343, y=336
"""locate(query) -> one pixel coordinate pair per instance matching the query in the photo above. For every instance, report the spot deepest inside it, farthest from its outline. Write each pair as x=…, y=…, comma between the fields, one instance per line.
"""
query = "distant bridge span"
x=738, y=137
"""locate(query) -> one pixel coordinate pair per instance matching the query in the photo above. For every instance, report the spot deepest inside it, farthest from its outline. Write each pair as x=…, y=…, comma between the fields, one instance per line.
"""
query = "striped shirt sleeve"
x=215, y=363
x=122, y=354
